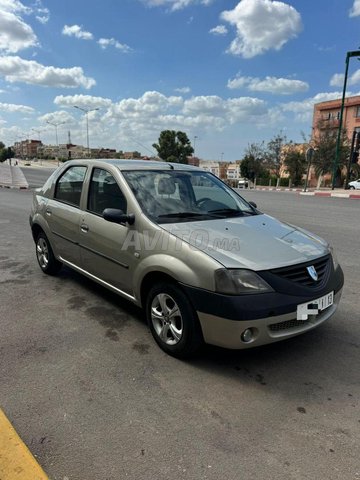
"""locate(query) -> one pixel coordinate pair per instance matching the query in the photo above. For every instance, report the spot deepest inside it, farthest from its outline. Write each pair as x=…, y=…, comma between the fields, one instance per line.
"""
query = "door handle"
x=84, y=228
x=48, y=212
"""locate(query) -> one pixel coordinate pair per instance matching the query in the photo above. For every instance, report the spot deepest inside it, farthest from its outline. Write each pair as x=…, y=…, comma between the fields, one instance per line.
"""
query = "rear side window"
x=104, y=193
x=69, y=186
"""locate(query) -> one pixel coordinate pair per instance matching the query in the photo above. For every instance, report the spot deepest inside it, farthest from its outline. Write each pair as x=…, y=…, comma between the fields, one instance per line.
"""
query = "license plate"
x=314, y=307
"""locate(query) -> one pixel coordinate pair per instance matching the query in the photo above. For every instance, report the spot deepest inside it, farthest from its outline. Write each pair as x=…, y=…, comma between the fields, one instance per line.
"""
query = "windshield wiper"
x=232, y=212
x=226, y=211
x=186, y=215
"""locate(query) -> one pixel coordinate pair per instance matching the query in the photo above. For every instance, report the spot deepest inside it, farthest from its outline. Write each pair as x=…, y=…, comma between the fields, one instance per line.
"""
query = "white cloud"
x=106, y=42
x=16, y=69
x=13, y=108
x=146, y=107
x=84, y=101
x=337, y=80
x=61, y=117
x=355, y=10
x=183, y=90
x=44, y=18
x=175, y=4
x=261, y=25
x=277, y=86
x=304, y=110
x=219, y=30
x=76, y=31
x=43, y=13
x=15, y=34
x=154, y=112
x=14, y=6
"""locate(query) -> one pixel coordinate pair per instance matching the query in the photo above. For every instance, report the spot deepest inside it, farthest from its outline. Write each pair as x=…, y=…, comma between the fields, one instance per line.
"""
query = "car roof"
x=130, y=164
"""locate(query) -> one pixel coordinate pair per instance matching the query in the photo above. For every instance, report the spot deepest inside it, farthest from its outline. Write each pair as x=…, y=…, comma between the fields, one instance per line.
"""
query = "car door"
x=101, y=241
x=63, y=213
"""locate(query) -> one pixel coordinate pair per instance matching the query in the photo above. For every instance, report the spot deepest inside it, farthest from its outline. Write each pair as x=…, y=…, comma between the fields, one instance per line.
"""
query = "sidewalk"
x=12, y=177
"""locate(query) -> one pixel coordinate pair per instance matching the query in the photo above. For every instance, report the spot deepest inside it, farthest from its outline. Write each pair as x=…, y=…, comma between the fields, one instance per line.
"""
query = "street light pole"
x=54, y=124
x=86, y=112
x=38, y=132
x=355, y=53
x=309, y=155
x=195, y=137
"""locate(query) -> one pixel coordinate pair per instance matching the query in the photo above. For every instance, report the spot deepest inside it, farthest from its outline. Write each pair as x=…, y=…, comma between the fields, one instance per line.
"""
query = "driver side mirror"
x=115, y=215
x=253, y=204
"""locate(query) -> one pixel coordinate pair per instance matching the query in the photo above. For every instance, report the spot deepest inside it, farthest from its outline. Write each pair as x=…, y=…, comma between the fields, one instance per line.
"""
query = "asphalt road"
x=36, y=176
x=94, y=398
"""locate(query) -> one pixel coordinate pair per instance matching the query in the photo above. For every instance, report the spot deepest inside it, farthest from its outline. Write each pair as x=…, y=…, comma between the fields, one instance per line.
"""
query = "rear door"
x=102, y=242
x=63, y=213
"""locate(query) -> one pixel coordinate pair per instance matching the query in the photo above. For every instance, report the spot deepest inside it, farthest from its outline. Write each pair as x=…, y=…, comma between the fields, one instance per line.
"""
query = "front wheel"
x=352, y=187
x=172, y=320
x=45, y=255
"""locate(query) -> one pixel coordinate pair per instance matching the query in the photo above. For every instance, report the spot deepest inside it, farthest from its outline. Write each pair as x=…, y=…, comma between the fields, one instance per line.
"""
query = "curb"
x=351, y=196
x=16, y=460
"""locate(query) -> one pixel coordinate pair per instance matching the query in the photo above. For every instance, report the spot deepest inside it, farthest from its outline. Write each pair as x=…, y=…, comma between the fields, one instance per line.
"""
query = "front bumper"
x=270, y=316
x=227, y=333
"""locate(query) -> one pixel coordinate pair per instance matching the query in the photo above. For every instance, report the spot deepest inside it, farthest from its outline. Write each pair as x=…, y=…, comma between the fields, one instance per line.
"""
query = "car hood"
x=258, y=242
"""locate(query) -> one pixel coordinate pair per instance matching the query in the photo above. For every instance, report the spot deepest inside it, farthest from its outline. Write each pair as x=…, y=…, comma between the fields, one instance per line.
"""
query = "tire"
x=178, y=331
x=351, y=187
x=45, y=255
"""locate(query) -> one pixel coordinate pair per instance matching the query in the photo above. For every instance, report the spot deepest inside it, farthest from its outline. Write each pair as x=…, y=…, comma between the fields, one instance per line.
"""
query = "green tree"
x=295, y=164
x=252, y=165
x=173, y=146
x=273, y=154
x=5, y=152
x=325, y=150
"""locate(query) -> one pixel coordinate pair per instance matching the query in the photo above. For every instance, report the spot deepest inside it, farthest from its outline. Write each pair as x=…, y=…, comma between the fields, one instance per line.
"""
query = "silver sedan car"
x=203, y=263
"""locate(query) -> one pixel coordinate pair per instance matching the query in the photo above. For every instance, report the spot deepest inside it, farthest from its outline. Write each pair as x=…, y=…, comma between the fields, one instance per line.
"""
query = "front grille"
x=287, y=325
x=299, y=273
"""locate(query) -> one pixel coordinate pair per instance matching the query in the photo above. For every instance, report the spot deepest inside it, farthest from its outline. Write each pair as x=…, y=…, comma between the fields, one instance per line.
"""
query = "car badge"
x=312, y=272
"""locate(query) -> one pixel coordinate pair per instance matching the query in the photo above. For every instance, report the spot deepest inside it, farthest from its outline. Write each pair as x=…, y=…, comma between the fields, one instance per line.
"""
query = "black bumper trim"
x=253, y=307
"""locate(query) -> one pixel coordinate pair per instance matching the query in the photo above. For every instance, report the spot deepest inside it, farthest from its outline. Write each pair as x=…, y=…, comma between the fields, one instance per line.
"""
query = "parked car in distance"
x=203, y=263
x=243, y=183
x=355, y=185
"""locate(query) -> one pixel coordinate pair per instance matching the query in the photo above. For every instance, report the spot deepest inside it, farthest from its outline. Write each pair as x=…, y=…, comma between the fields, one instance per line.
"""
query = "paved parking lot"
x=94, y=398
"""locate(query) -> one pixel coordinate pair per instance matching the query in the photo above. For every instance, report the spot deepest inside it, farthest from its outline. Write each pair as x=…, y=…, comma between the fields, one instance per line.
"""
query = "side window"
x=104, y=193
x=69, y=186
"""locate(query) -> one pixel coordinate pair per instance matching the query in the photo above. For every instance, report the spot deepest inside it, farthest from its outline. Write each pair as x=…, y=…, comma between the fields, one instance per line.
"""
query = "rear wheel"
x=172, y=320
x=45, y=255
x=352, y=187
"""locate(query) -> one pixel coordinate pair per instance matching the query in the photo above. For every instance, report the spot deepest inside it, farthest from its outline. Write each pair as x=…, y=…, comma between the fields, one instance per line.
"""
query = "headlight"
x=334, y=257
x=235, y=282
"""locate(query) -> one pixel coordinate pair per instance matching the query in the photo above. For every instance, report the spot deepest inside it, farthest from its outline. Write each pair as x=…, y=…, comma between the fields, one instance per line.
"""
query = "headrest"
x=166, y=186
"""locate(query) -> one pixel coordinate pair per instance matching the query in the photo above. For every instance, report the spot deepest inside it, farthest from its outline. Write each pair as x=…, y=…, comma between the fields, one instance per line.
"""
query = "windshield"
x=173, y=196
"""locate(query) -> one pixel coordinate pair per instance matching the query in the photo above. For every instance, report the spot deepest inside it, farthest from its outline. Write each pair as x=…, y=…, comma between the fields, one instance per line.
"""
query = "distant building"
x=195, y=161
x=27, y=148
x=327, y=115
x=217, y=168
x=131, y=155
x=233, y=171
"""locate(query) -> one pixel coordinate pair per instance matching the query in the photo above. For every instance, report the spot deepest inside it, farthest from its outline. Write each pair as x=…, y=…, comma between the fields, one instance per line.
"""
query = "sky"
x=226, y=72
